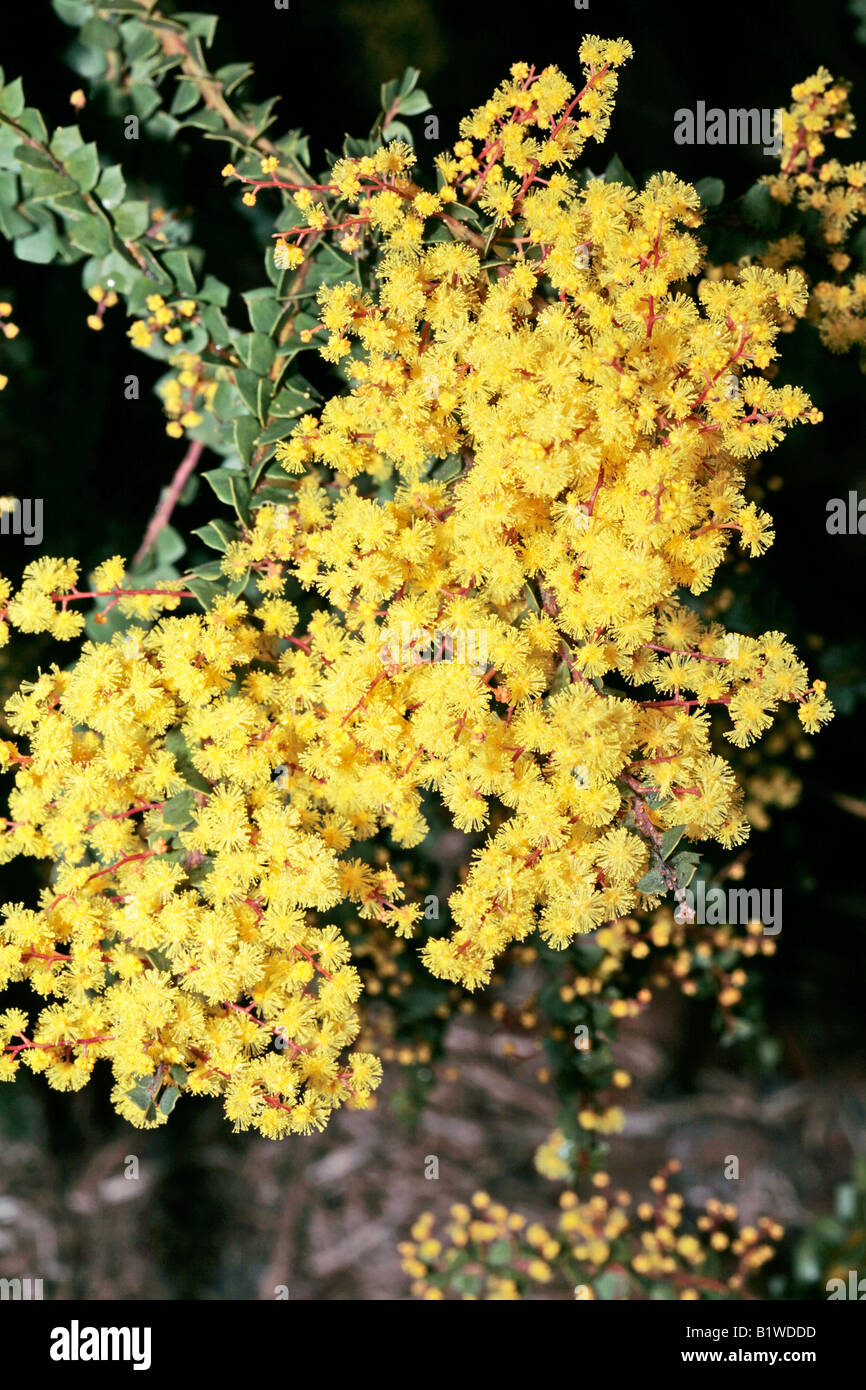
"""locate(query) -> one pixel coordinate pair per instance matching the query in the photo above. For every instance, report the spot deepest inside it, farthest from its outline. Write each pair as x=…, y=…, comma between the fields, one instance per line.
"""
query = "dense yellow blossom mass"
x=511, y=631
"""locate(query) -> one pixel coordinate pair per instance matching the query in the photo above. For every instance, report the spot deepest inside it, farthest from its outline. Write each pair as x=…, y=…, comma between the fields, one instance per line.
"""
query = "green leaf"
x=531, y=600
x=211, y=569
x=231, y=75
x=83, y=166
x=73, y=12
x=179, y=267
x=845, y=1201
x=414, y=104
x=175, y=742
x=170, y=545
x=98, y=33
x=214, y=291
x=40, y=248
x=245, y=430
x=260, y=116
x=140, y=1096
x=671, y=838
x=132, y=219
x=34, y=159
x=48, y=183
x=263, y=309
x=65, y=140
x=31, y=121
x=277, y=429
x=12, y=99
x=214, y=321
x=464, y=214
x=9, y=138
x=499, y=1253
x=248, y=385
x=178, y=809
x=408, y=81
x=260, y=354
x=760, y=209
x=227, y=402
x=468, y=1283
x=206, y=592
x=396, y=130
x=178, y=1074
x=220, y=481
x=187, y=95
x=217, y=534
x=168, y=1099
x=710, y=191
x=91, y=234
x=289, y=403
x=111, y=187
x=451, y=468
x=610, y=1286
x=651, y=883
x=616, y=172
x=12, y=224
x=144, y=99
x=685, y=866
x=202, y=26
x=205, y=119
x=388, y=94
x=232, y=488
x=162, y=126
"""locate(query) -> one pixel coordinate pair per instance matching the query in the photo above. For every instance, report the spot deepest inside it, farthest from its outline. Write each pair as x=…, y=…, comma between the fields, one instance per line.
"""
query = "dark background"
x=99, y=461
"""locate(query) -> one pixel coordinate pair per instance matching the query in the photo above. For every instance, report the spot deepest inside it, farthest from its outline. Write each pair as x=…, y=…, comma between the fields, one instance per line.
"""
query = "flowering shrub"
x=543, y=414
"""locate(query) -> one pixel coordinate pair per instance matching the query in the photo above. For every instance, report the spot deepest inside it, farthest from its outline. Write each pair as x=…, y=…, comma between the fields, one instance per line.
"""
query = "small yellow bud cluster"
x=9, y=330
x=103, y=299
x=188, y=394
x=643, y=1249
x=169, y=320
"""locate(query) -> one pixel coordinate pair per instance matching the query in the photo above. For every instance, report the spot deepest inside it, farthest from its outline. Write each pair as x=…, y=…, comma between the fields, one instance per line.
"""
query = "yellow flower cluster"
x=9, y=331
x=175, y=939
x=493, y=1253
x=167, y=320
x=819, y=183
x=528, y=124
x=505, y=634
x=103, y=299
x=188, y=394
x=49, y=585
x=595, y=421
x=678, y=953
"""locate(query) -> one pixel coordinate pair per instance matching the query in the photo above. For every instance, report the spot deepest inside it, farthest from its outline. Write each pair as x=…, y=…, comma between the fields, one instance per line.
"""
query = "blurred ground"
x=218, y=1216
